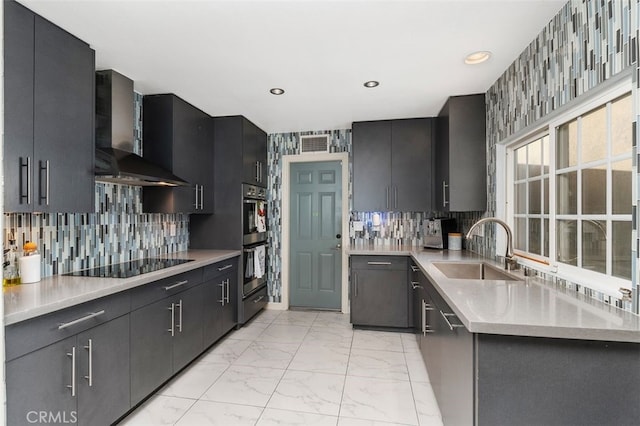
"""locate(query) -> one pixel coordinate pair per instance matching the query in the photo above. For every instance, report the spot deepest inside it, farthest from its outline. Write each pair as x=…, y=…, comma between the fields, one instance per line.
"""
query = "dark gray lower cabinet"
x=483, y=379
x=220, y=296
x=37, y=383
x=83, y=379
x=103, y=369
x=379, y=291
x=165, y=336
x=187, y=342
x=151, y=348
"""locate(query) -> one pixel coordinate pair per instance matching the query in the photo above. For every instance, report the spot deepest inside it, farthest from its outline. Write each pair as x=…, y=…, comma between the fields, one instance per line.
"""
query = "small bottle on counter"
x=10, y=270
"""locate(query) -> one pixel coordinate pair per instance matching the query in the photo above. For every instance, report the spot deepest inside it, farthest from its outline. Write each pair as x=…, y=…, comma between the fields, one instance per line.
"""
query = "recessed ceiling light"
x=477, y=57
x=277, y=91
x=371, y=83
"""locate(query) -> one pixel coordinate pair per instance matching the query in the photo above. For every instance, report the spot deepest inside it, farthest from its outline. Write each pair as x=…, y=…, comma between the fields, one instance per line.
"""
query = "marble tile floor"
x=299, y=368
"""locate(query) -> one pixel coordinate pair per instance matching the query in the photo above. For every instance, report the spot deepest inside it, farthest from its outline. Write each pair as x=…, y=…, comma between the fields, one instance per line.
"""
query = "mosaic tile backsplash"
x=584, y=45
x=118, y=232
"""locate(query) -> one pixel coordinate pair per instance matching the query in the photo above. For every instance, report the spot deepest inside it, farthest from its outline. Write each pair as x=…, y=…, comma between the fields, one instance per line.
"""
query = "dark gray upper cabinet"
x=178, y=136
x=461, y=169
x=371, y=165
x=49, y=116
x=235, y=137
x=254, y=154
x=393, y=165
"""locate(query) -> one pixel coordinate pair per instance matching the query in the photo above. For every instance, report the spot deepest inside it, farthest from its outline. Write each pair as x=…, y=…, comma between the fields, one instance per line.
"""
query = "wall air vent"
x=314, y=143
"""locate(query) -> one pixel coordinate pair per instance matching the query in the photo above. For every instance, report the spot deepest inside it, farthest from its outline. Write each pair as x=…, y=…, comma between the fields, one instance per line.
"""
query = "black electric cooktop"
x=129, y=269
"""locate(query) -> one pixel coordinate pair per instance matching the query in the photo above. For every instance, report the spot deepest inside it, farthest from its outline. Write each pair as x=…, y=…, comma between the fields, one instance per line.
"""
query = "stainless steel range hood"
x=115, y=159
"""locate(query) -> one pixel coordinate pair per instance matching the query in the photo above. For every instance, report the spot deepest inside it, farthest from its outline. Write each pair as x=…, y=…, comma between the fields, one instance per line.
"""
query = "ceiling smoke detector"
x=276, y=91
x=372, y=83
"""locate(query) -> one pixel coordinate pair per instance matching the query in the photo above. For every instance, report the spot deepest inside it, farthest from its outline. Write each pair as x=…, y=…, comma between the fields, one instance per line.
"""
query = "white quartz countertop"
x=532, y=307
x=27, y=301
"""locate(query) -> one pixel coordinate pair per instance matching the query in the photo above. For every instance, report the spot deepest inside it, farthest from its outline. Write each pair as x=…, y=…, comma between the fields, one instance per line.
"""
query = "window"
x=572, y=191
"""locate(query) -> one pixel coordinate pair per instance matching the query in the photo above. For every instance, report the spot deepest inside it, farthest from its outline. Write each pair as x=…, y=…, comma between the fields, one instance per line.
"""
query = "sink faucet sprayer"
x=510, y=262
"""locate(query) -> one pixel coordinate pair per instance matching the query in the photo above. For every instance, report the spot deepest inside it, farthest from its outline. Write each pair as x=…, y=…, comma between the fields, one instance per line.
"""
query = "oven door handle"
x=251, y=250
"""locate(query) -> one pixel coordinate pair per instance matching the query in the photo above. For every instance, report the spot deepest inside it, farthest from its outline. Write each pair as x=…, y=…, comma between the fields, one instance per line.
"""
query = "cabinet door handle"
x=196, y=190
x=27, y=180
x=387, y=192
x=72, y=386
x=256, y=300
x=414, y=268
x=444, y=193
x=178, y=284
x=228, y=281
x=201, y=197
x=395, y=197
x=415, y=284
x=257, y=171
x=172, y=330
x=425, y=327
x=47, y=185
x=225, y=267
x=89, y=348
x=446, y=318
x=378, y=263
x=87, y=317
x=222, y=293
x=179, y=305
x=355, y=285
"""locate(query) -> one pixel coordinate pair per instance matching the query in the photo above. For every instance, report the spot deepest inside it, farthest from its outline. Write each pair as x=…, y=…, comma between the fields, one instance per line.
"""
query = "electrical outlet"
x=172, y=230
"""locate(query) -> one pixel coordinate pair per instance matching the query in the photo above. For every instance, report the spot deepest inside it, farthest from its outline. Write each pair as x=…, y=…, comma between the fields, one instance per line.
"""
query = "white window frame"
x=505, y=164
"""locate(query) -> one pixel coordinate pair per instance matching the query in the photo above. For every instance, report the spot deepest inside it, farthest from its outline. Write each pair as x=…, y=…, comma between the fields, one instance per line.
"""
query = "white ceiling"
x=224, y=56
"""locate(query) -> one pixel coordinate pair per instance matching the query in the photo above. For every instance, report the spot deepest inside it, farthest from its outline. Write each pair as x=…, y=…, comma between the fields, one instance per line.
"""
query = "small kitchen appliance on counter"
x=436, y=232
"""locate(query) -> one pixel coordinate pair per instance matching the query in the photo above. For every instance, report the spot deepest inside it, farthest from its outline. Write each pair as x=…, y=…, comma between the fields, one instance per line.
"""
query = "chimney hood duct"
x=115, y=160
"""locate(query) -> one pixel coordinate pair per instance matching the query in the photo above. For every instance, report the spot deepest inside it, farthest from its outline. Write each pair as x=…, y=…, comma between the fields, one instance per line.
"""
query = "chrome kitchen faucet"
x=510, y=262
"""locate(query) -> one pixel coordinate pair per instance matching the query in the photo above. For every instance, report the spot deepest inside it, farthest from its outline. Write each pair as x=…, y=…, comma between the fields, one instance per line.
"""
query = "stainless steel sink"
x=473, y=271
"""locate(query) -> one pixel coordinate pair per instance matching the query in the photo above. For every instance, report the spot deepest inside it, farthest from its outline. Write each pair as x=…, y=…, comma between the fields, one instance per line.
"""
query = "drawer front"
x=166, y=287
x=379, y=262
x=254, y=303
x=28, y=336
x=220, y=268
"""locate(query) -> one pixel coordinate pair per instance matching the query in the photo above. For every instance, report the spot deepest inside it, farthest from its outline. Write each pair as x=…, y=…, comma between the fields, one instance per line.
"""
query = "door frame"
x=287, y=160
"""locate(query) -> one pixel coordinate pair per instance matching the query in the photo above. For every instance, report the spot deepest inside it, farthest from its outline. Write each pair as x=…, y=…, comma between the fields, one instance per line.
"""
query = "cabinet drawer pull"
x=414, y=268
x=89, y=348
x=415, y=285
x=378, y=263
x=258, y=299
x=72, y=386
x=446, y=318
x=62, y=326
x=225, y=267
x=178, y=284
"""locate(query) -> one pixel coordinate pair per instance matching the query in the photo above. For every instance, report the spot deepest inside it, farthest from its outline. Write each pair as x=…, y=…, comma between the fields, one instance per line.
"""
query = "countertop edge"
x=475, y=325
x=202, y=259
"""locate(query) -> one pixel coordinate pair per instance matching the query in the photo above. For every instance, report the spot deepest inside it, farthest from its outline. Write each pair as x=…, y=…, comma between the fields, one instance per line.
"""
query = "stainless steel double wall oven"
x=254, y=247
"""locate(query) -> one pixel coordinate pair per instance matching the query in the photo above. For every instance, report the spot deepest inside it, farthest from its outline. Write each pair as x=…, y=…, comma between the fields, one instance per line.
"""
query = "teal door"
x=315, y=258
